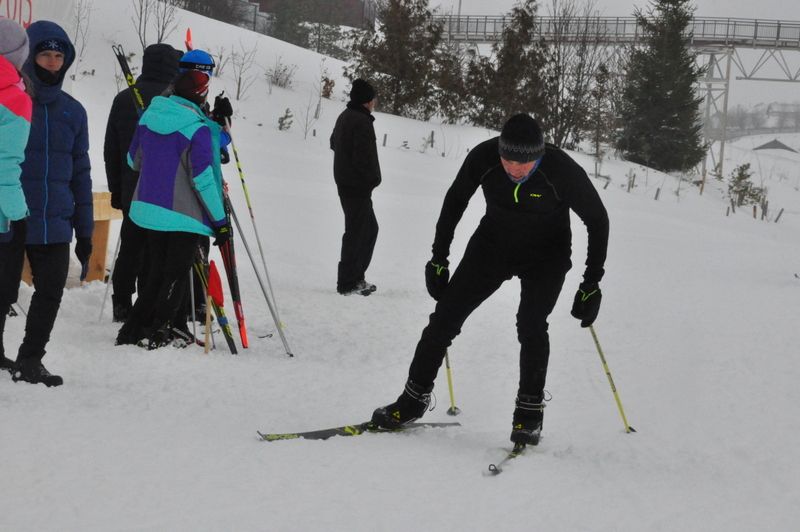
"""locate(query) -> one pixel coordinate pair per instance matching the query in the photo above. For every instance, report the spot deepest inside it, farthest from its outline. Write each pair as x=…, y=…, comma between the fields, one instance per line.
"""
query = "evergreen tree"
x=514, y=80
x=741, y=189
x=660, y=115
x=398, y=59
x=289, y=22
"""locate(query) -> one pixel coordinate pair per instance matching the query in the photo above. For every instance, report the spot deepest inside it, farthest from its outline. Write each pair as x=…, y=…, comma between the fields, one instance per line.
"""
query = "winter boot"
x=6, y=364
x=162, y=336
x=122, y=307
x=129, y=334
x=528, y=414
x=411, y=405
x=33, y=371
x=361, y=288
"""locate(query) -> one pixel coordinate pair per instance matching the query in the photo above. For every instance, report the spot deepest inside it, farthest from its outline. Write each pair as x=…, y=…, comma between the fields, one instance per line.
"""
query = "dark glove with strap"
x=587, y=303
x=222, y=234
x=436, y=277
x=83, y=250
x=223, y=110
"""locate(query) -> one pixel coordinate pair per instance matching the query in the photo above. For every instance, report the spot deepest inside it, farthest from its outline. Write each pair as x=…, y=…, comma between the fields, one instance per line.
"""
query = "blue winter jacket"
x=56, y=173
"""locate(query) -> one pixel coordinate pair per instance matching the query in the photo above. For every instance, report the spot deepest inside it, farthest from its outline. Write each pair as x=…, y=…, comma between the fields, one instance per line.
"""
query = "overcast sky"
x=772, y=9
x=746, y=93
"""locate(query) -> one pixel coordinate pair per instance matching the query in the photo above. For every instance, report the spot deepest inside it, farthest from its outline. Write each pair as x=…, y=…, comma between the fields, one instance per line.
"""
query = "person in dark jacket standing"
x=357, y=172
x=529, y=188
x=58, y=189
x=159, y=68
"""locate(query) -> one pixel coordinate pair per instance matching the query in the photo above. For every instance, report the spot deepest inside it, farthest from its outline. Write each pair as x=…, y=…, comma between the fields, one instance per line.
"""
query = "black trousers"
x=130, y=266
x=358, y=241
x=49, y=265
x=170, y=254
x=479, y=274
x=12, y=255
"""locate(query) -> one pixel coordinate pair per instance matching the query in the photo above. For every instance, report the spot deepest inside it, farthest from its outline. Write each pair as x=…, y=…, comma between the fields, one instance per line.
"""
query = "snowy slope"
x=699, y=326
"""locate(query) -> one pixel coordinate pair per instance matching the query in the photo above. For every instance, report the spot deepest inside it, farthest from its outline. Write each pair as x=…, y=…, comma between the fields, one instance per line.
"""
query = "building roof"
x=775, y=145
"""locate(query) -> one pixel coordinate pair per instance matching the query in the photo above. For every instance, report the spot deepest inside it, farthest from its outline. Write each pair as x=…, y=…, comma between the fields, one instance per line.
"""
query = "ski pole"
x=628, y=428
x=261, y=284
x=253, y=220
x=110, y=278
x=453, y=410
x=191, y=301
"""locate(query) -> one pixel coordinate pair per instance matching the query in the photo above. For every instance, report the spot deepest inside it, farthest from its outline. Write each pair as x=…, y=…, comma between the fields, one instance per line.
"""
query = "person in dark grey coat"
x=357, y=172
x=159, y=68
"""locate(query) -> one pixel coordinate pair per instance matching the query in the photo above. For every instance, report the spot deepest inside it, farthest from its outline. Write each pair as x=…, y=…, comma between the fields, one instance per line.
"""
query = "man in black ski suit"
x=529, y=188
x=159, y=68
x=356, y=171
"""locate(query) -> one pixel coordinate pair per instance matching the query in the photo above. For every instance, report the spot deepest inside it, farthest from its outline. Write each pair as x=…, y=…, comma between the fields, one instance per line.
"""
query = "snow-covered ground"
x=699, y=325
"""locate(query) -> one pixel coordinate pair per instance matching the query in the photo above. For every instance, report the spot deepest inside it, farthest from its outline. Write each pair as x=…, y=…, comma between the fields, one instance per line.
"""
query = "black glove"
x=436, y=278
x=222, y=110
x=224, y=156
x=222, y=234
x=83, y=250
x=116, y=201
x=587, y=303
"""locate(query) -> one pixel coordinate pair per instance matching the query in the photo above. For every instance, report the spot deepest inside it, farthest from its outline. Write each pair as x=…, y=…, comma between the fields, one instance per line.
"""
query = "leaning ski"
x=518, y=450
x=138, y=102
x=348, y=430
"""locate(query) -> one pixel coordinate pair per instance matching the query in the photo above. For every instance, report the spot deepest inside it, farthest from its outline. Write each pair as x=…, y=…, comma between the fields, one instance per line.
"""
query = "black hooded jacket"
x=159, y=67
x=355, y=161
x=526, y=226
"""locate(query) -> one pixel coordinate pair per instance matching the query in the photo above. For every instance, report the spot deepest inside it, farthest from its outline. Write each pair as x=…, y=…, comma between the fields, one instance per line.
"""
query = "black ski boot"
x=6, y=364
x=528, y=415
x=33, y=371
x=121, y=308
x=162, y=337
x=410, y=406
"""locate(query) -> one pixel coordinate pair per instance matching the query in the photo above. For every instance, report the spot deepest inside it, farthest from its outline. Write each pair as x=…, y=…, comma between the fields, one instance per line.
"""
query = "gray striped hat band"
x=520, y=152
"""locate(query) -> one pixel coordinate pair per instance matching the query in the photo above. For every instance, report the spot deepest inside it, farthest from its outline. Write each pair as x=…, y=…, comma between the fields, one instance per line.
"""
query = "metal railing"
x=706, y=31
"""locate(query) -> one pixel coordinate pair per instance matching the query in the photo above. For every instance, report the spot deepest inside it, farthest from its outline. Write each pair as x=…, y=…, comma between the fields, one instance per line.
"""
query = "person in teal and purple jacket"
x=15, y=124
x=56, y=179
x=178, y=200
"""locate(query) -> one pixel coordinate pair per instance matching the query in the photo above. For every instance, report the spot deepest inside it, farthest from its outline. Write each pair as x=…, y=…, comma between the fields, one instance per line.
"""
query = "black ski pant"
x=12, y=255
x=479, y=274
x=170, y=254
x=130, y=265
x=358, y=241
x=49, y=266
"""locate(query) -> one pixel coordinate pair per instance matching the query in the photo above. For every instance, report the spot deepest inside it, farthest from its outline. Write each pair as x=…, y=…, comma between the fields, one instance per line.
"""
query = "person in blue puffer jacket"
x=178, y=200
x=57, y=183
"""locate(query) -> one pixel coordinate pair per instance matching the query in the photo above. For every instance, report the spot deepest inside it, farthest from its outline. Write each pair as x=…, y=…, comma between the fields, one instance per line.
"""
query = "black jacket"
x=159, y=67
x=355, y=159
x=527, y=224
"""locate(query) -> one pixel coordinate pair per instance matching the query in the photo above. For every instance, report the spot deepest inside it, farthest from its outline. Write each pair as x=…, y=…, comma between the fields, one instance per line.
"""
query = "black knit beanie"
x=521, y=139
x=362, y=92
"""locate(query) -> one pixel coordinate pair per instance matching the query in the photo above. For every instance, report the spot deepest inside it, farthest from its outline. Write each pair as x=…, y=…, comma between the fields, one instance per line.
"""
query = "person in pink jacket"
x=15, y=124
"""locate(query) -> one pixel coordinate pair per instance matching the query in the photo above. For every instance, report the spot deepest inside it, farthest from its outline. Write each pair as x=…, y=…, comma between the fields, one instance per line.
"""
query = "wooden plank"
x=97, y=261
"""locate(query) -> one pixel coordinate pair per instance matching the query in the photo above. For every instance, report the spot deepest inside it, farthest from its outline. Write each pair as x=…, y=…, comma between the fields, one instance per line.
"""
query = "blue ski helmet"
x=197, y=60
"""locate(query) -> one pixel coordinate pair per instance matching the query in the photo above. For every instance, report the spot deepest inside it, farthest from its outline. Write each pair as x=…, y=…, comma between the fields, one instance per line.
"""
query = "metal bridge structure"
x=758, y=50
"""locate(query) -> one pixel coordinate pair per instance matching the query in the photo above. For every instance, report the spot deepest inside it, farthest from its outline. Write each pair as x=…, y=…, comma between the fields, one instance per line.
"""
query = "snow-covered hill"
x=699, y=326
